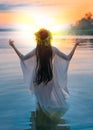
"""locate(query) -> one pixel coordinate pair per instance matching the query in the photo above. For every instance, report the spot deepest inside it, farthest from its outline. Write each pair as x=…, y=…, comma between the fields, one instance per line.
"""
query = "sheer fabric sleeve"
x=28, y=63
x=28, y=55
x=60, y=70
x=60, y=54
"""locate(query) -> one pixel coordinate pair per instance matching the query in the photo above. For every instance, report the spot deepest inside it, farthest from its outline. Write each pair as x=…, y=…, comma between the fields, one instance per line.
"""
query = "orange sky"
x=58, y=11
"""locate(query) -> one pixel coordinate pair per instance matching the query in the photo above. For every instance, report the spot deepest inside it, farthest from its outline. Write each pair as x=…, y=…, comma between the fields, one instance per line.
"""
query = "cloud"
x=5, y=7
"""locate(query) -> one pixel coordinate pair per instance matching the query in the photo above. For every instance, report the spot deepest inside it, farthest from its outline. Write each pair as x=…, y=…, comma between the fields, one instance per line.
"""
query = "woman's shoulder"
x=54, y=49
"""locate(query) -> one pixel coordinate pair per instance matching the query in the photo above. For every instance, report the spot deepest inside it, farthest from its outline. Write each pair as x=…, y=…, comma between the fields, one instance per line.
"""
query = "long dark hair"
x=43, y=57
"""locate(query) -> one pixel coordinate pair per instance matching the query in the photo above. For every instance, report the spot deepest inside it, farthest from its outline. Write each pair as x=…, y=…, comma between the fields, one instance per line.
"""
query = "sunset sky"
x=38, y=13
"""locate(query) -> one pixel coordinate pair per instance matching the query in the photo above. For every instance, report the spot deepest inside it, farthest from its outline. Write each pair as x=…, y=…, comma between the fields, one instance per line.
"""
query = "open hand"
x=78, y=41
x=11, y=42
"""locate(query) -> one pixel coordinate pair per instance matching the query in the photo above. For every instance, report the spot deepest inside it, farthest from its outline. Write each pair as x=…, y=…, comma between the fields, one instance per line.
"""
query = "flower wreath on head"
x=43, y=36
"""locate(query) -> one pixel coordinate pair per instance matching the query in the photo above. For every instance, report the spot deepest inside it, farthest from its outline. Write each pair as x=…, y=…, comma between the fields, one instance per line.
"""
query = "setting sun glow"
x=27, y=17
x=41, y=21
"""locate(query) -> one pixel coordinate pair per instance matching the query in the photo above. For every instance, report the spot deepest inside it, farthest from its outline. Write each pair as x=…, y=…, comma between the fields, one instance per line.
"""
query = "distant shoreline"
x=66, y=33
x=7, y=29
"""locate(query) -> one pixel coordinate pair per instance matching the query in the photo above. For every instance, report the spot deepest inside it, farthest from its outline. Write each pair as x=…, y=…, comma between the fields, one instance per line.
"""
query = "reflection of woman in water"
x=45, y=71
x=40, y=121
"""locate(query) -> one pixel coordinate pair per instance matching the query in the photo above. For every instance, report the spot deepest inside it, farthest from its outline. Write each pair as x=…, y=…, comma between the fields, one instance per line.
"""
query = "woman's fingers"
x=11, y=42
x=78, y=40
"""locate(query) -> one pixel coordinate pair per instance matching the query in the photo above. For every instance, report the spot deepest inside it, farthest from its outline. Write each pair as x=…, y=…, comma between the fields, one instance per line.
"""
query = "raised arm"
x=21, y=56
x=73, y=50
x=60, y=54
x=69, y=56
x=28, y=55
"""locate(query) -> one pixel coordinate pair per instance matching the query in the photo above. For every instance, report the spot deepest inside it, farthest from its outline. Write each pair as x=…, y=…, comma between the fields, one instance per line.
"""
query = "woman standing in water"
x=45, y=71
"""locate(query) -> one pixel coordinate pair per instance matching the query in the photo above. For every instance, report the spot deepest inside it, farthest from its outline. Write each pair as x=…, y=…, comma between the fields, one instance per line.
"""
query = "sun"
x=27, y=30
x=43, y=21
x=39, y=21
x=50, y=23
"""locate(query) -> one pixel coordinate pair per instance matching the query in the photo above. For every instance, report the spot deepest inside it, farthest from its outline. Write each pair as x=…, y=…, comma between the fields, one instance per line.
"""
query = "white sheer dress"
x=52, y=97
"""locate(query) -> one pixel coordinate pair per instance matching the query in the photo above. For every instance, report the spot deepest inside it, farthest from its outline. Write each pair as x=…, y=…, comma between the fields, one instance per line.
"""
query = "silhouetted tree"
x=84, y=26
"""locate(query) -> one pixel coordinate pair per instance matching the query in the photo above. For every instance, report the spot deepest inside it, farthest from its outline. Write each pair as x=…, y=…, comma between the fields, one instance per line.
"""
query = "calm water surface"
x=18, y=104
